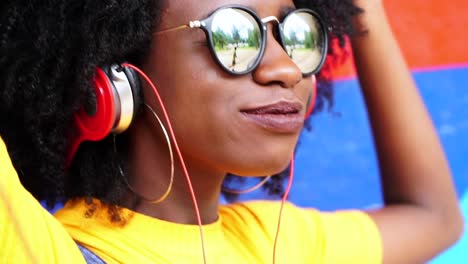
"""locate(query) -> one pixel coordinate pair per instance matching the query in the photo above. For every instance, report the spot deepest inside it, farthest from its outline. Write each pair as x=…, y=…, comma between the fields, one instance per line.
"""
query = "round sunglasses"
x=237, y=38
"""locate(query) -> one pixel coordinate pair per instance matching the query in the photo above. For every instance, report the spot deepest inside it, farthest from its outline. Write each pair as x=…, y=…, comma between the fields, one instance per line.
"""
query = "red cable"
x=189, y=183
x=283, y=201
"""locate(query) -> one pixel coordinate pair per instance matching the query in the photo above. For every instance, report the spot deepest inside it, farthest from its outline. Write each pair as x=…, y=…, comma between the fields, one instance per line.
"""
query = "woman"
x=132, y=198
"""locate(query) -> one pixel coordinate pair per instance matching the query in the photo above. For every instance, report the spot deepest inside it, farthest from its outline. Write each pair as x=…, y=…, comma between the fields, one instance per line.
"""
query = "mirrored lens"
x=303, y=38
x=236, y=38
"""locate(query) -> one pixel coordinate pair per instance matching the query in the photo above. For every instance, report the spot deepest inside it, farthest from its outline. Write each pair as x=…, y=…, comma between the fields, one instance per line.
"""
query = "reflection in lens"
x=236, y=39
x=303, y=40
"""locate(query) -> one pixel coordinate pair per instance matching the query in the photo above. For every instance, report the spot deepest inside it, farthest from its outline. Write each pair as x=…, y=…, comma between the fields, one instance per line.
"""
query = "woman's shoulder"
x=267, y=207
x=351, y=232
x=266, y=213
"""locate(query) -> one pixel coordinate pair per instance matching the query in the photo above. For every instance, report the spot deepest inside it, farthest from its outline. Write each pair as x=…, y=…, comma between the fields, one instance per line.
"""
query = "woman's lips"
x=282, y=117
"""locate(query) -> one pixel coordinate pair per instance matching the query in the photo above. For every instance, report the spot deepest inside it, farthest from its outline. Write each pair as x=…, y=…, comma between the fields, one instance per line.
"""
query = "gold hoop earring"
x=171, y=154
x=251, y=189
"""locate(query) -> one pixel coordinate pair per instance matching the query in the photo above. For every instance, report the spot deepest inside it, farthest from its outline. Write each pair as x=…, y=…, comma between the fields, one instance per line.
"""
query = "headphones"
x=118, y=95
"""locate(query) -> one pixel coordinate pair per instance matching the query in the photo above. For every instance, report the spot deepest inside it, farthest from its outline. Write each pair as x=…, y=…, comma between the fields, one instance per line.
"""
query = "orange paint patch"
x=431, y=33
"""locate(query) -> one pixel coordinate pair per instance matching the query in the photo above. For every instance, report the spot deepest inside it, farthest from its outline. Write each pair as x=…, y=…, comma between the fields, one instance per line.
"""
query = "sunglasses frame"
x=205, y=25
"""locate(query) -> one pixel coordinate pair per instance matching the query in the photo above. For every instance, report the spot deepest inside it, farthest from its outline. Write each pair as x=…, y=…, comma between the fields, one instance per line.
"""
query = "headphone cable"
x=171, y=131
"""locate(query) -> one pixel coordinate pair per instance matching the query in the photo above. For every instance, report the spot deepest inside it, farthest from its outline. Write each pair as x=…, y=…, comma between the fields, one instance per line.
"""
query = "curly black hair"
x=49, y=51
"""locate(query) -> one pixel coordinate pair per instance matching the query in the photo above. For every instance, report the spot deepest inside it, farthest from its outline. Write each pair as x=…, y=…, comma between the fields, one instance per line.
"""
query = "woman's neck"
x=149, y=176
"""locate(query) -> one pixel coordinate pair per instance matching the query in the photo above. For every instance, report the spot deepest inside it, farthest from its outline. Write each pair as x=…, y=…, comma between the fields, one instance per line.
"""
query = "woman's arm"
x=422, y=215
x=28, y=233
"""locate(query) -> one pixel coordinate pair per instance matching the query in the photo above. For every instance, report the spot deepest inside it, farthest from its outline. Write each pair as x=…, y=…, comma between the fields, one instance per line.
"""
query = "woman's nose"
x=276, y=67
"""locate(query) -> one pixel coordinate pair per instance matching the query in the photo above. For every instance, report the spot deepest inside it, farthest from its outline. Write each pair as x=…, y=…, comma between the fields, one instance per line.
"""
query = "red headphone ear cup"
x=311, y=100
x=98, y=126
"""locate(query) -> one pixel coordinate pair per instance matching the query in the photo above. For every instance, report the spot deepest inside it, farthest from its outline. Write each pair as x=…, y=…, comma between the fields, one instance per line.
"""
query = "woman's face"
x=246, y=125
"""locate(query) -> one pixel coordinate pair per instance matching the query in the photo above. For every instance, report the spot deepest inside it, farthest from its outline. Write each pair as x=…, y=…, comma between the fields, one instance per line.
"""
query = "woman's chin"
x=263, y=168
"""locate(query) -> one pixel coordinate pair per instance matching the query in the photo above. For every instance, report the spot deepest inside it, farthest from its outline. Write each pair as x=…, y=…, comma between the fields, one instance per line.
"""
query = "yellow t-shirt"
x=244, y=233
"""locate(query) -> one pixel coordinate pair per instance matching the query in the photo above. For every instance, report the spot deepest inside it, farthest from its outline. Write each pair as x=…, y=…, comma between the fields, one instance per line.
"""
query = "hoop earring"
x=251, y=189
x=171, y=154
